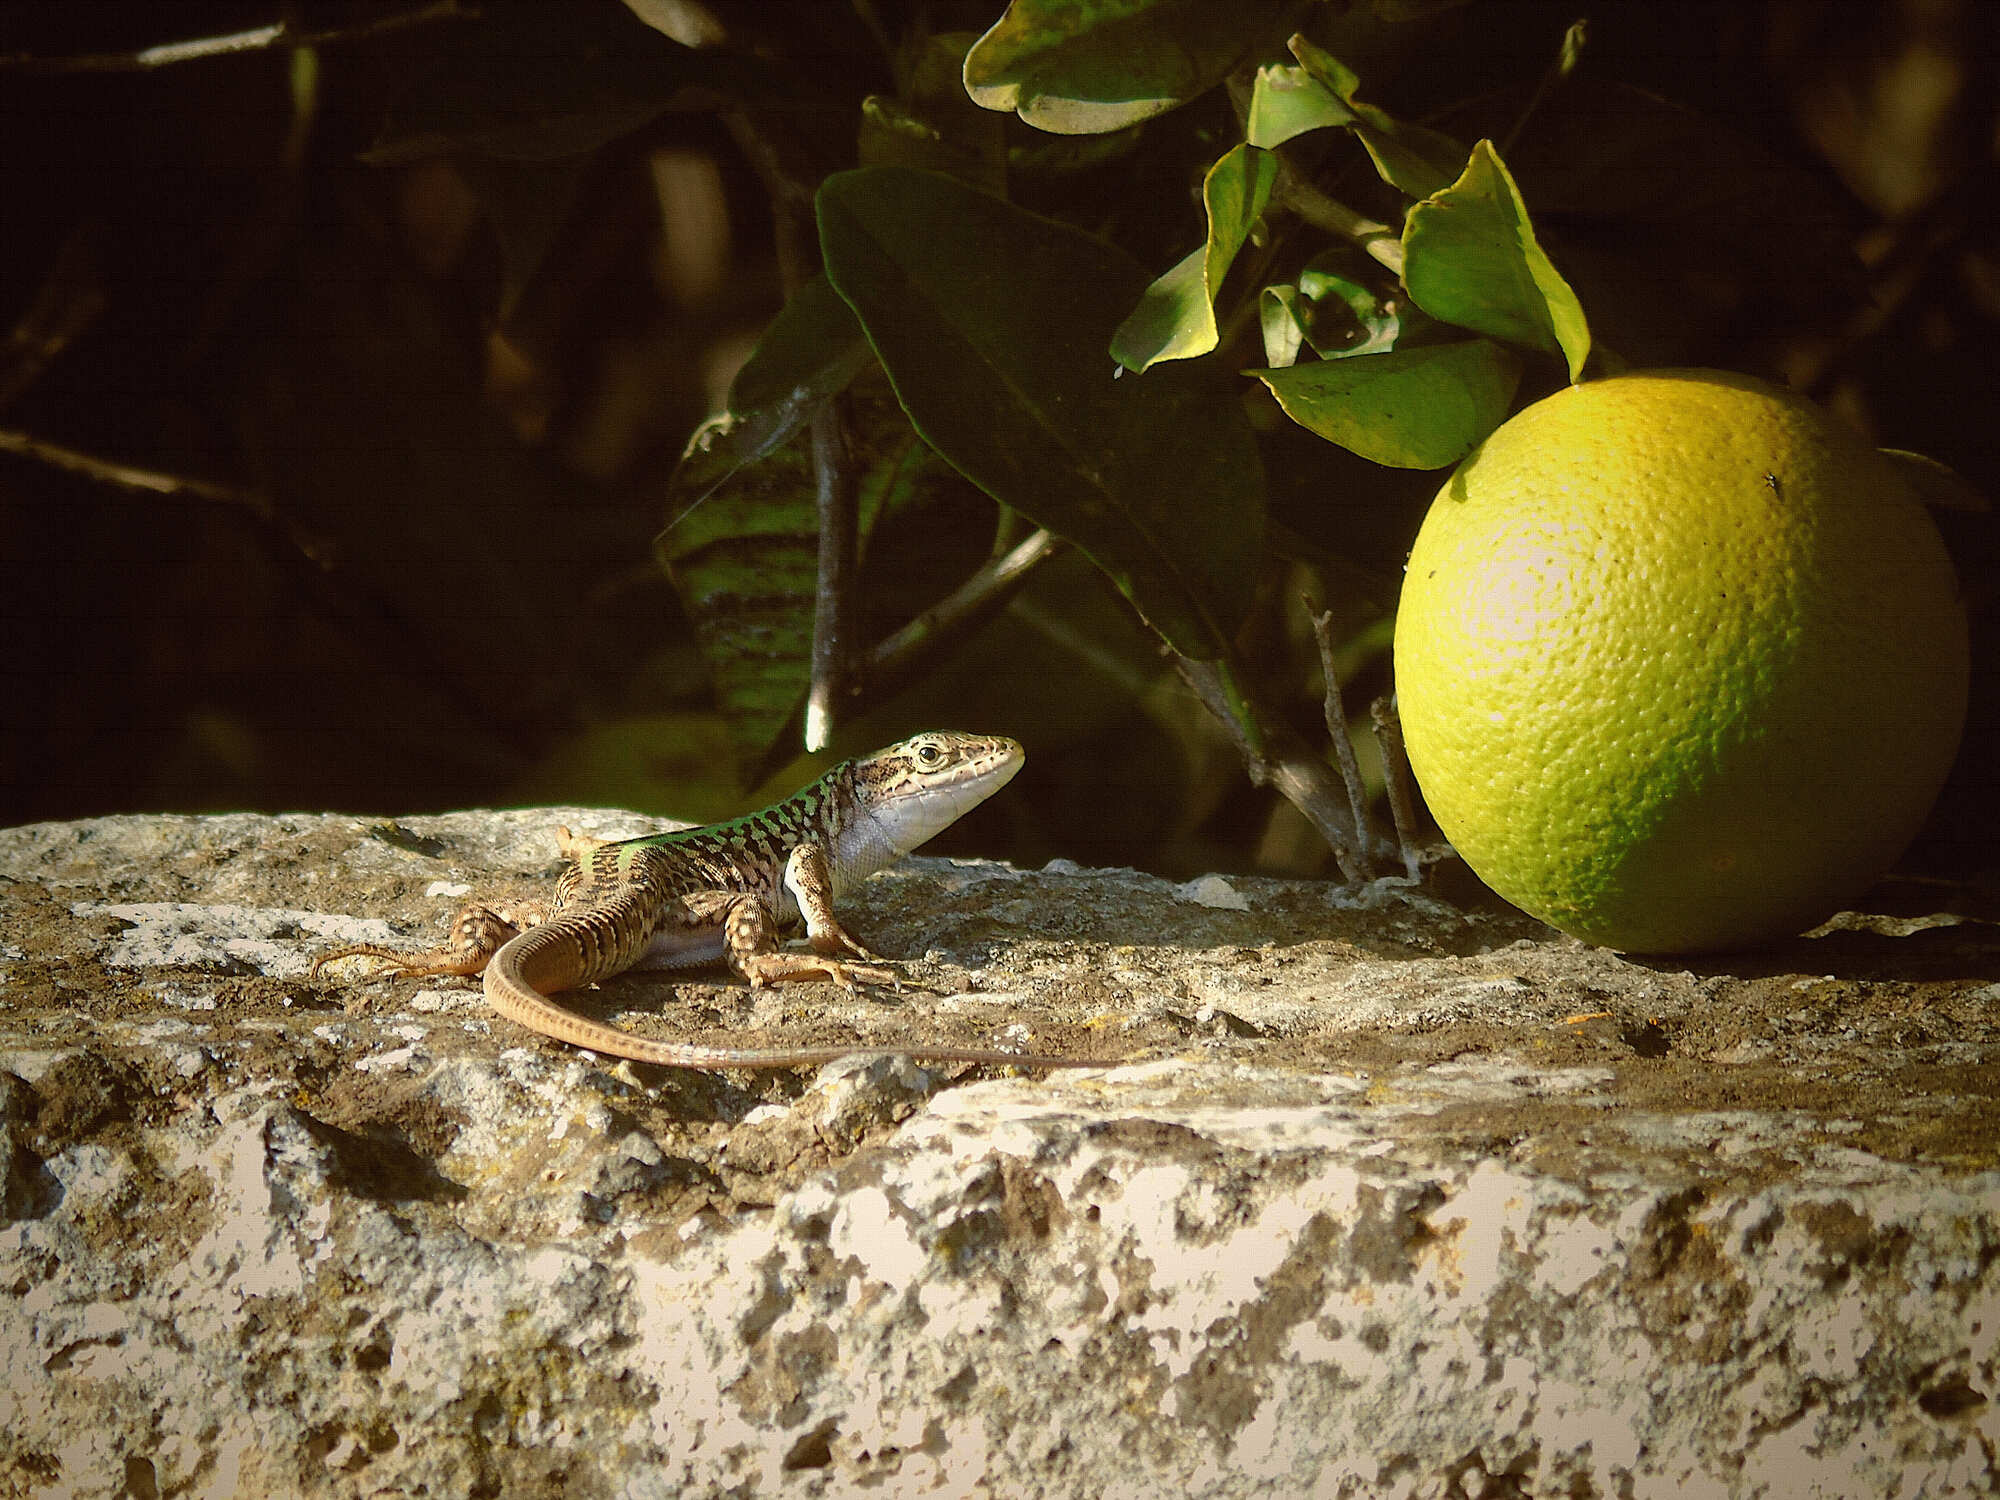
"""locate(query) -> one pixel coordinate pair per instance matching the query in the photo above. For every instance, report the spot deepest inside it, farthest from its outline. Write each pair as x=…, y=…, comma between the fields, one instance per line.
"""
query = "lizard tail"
x=523, y=973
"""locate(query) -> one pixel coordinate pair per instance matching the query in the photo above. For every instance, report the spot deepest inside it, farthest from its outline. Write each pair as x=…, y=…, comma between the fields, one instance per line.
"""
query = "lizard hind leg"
x=750, y=947
x=477, y=933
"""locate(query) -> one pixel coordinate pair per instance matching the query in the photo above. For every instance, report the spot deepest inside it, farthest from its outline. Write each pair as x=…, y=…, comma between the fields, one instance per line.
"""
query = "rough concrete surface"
x=1379, y=1197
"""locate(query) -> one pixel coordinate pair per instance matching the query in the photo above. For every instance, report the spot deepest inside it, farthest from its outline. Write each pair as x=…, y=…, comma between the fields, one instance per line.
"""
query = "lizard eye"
x=929, y=756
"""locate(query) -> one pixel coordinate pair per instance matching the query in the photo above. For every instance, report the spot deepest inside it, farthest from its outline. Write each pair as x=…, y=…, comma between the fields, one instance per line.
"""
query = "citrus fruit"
x=1680, y=661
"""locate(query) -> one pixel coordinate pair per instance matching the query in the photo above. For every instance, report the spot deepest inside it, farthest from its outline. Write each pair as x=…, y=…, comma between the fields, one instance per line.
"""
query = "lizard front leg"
x=811, y=885
x=750, y=947
x=477, y=933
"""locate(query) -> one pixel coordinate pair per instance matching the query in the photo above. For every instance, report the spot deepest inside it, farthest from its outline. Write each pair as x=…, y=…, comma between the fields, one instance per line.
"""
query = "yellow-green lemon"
x=1680, y=660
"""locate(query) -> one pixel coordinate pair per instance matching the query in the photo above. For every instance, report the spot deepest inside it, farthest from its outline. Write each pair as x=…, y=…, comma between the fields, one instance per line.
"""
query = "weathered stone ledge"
x=1381, y=1199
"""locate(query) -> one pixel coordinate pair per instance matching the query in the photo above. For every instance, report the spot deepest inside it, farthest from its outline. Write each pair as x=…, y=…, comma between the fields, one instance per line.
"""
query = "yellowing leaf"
x=1175, y=319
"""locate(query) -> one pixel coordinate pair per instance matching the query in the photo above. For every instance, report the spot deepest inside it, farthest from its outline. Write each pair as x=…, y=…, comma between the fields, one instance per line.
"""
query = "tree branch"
x=939, y=629
x=1381, y=242
x=836, y=487
x=279, y=34
x=1336, y=731
x=1275, y=755
x=931, y=635
x=309, y=560
x=836, y=493
x=1401, y=785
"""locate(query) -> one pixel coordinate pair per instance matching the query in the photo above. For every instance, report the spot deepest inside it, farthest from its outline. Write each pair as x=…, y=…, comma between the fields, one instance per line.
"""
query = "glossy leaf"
x=1333, y=315
x=1175, y=319
x=811, y=351
x=1081, y=67
x=1282, y=314
x=1418, y=408
x=1287, y=101
x=1413, y=159
x=992, y=324
x=1471, y=258
x=1346, y=318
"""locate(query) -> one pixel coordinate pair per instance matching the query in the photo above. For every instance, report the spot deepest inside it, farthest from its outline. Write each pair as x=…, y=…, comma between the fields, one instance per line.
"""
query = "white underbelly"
x=682, y=949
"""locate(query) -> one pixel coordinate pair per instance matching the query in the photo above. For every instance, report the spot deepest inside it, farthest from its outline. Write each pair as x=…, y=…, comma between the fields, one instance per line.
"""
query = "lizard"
x=724, y=892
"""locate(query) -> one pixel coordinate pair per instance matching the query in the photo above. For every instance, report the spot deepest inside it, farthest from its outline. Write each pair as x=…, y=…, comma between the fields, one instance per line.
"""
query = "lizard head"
x=921, y=786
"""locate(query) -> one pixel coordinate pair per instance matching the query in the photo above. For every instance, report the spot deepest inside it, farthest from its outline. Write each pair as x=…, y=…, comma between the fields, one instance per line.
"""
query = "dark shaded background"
x=411, y=567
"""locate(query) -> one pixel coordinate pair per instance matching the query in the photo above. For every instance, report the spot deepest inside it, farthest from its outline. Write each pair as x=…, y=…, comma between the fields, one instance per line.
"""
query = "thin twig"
x=1401, y=785
x=1343, y=743
x=871, y=18
x=1567, y=57
x=1275, y=755
x=928, y=638
x=791, y=199
x=309, y=561
x=939, y=629
x=1376, y=238
x=132, y=477
x=181, y=487
x=257, y=39
x=68, y=301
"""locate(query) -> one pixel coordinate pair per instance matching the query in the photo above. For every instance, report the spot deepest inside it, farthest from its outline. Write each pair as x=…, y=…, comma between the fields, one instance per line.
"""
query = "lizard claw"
x=354, y=950
x=476, y=934
x=775, y=968
x=848, y=976
x=833, y=942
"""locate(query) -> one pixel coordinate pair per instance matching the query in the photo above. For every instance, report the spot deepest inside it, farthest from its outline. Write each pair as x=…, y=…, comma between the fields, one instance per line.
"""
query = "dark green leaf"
x=744, y=563
x=1081, y=67
x=1288, y=101
x=1471, y=258
x=1413, y=159
x=811, y=351
x=1417, y=408
x=992, y=323
x=1175, y=319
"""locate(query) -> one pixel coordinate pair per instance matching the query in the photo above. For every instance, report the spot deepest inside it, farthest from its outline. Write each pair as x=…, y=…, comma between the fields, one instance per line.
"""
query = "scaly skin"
x=723, y=893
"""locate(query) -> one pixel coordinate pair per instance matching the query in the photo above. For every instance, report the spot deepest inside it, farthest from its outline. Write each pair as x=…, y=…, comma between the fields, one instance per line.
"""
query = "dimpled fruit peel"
x=1681, y=661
